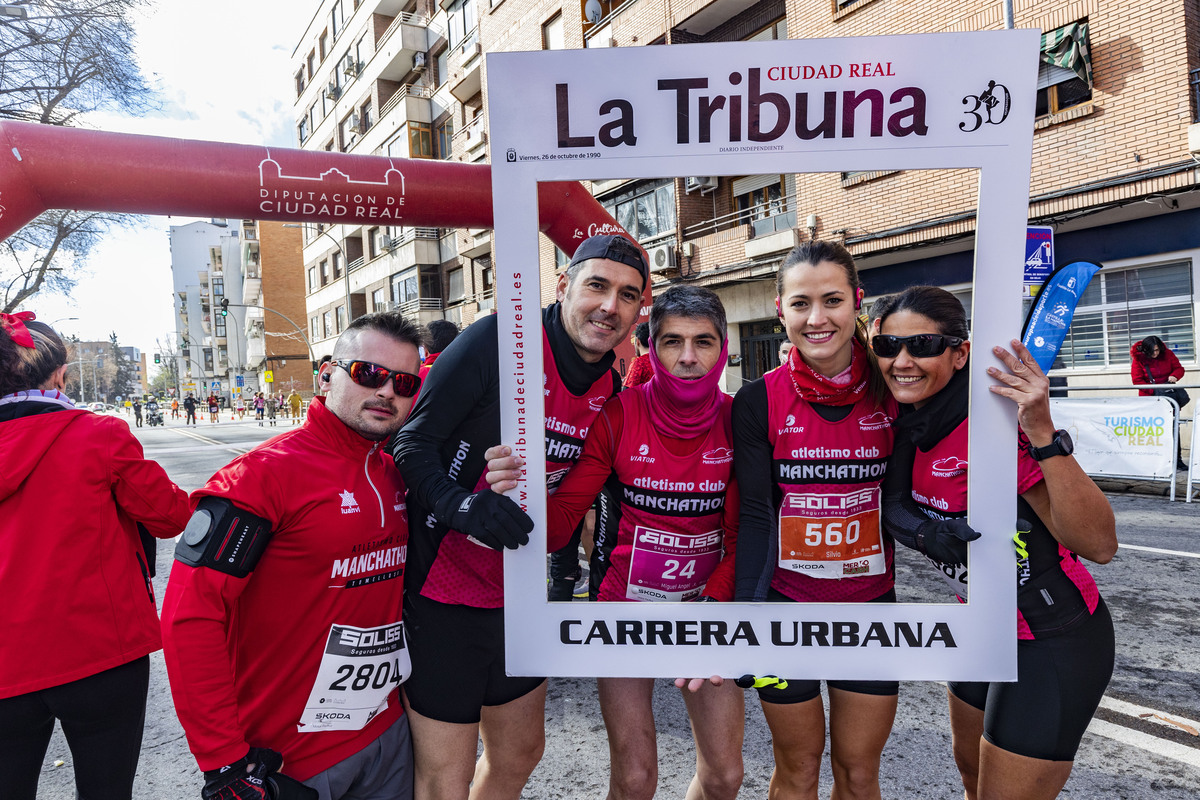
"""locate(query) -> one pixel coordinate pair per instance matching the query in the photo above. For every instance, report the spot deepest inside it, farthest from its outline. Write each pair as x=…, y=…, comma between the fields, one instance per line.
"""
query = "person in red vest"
x=440, y=333
x=76, y=602
x=639, y=369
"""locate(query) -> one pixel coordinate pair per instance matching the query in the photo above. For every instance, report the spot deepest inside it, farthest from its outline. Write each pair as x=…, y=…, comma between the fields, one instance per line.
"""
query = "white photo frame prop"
x=956, y=100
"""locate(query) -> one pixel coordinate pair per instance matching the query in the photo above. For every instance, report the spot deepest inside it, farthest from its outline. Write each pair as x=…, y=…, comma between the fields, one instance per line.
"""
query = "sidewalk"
x=1159, y=488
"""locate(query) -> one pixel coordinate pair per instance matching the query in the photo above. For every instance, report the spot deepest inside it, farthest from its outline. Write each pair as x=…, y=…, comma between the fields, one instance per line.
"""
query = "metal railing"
x=356, y=263
x=759, y=219
x=420, y=304
x=402, y=94
x=403, y=18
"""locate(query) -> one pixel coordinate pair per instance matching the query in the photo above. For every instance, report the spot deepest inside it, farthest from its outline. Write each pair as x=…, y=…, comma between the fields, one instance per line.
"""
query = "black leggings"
x=1060, y=681
x=102, y=717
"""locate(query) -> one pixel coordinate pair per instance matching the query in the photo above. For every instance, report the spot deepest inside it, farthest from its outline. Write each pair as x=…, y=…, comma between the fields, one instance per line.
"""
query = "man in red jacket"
x=281, y=620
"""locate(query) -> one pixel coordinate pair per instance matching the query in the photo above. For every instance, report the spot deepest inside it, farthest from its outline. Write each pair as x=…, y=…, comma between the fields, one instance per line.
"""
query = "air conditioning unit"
x=350, y=66
x=1194, y=140
x=418, y=62
x=333, y=90
x=662, y=257
x=472, y=50
x=704, y=184
x=388, y=243
x=355, y=122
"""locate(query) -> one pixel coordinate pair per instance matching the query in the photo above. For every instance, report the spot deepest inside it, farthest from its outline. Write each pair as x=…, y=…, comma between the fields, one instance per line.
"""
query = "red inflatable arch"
x=46, y=166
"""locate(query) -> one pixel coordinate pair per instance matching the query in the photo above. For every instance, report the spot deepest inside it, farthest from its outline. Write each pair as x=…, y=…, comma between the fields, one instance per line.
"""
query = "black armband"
x=223, y=537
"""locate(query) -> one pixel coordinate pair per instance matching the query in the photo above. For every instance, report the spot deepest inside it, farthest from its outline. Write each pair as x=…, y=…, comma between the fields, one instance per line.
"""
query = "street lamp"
x=345, y=263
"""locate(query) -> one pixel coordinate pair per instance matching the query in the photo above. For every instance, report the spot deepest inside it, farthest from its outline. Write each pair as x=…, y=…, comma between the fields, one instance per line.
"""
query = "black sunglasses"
x=922, y=345
x=364, y=373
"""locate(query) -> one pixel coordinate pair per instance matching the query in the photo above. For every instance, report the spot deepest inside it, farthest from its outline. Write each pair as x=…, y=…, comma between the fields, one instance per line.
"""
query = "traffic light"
x=157, y=358
x=316, y=367
x=224, y=306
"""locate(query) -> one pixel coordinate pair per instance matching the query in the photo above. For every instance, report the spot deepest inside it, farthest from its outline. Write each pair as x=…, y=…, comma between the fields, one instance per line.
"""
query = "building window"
x=311, y=63
x=552, y=33
x=1064, y=69
x=404, y=288
x=443, y=70
x=374, y=245
x=223, y=356
x=776, y=30
x=336, y=259
x=300, y=83
x=219, y=326
x=312, y=278
x=444, y=134
x=336, y=19
x=455, y=280
x=341, y=318
x=561, y=259
x=364, y=117
x=764, y=208
x=327, y=319
x=303, y=130
x=324, y=272
x=323, y=44
x=208, y=359
x=461, y=23
x=315, y=325
x=420, y=140
x=362, y=50
x=379, y=300
x=647, y=210
x=1121, y=307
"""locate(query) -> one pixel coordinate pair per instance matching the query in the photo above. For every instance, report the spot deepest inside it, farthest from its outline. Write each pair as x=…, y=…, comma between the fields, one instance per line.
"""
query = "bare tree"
x=68, y=57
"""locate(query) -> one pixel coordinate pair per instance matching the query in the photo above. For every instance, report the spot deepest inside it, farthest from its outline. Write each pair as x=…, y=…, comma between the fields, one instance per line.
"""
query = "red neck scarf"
x=684, y=409
x=816, y=388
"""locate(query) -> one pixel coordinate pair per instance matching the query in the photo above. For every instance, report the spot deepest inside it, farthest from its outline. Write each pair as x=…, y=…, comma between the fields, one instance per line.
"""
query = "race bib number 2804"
x=831, y=535
x=359, y=669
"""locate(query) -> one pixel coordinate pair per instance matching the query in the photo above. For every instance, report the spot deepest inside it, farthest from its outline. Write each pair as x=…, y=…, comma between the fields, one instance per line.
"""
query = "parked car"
x=99, y=408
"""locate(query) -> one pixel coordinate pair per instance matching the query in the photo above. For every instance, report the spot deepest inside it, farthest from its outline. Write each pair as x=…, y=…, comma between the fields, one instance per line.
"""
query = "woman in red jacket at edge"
x=76, y=603
x=1151, y=362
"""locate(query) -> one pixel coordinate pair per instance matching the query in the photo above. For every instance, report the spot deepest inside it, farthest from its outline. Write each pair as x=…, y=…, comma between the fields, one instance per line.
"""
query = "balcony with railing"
x=466, y=62
x=470, y=137
x=402, y=46
x=764, y=229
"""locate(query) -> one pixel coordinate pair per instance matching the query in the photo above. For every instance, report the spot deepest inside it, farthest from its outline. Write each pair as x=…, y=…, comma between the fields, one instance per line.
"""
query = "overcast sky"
x=222, y=70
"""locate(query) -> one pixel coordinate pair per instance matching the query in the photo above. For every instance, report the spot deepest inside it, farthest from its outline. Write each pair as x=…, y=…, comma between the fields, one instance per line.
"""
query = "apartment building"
x=1114, y=170
x=371, y=78
x=277, y=348
x=206, y=268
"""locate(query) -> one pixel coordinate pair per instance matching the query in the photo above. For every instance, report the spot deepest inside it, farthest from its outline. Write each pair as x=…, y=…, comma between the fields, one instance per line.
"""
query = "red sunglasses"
x=364, y=373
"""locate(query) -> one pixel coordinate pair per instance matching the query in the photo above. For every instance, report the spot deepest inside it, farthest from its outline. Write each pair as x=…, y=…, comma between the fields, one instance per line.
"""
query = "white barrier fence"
x=1127, y=437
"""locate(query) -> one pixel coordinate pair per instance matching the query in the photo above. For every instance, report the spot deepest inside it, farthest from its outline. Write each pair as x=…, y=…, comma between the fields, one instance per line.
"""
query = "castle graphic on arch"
x=271, y=175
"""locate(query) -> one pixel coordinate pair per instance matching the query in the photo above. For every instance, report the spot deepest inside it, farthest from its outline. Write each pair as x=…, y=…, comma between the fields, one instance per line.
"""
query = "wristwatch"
x=1060, y=445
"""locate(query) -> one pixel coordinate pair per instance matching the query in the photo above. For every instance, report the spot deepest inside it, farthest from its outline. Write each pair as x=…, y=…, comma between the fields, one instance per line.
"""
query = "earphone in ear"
x=325, y=378
x=859, y=295
x=778, y=308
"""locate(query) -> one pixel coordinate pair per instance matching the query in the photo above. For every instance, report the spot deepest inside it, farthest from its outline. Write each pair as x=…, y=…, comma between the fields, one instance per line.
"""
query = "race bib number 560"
x=831, y=535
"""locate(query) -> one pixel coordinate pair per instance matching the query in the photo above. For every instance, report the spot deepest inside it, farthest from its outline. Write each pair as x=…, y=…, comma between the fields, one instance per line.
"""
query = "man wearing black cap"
x=454, y=593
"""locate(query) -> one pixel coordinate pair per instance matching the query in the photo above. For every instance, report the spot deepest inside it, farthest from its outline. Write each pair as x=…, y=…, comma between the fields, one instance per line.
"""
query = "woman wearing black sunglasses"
x=1010, y=739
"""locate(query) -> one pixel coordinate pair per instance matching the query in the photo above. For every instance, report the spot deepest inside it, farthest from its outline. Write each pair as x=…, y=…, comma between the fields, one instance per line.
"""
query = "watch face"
x=1065, y=442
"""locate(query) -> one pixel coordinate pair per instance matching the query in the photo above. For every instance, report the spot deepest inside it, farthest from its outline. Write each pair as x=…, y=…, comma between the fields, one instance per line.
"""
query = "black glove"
x=945, y=540
x=493, y=520
x=236, y=782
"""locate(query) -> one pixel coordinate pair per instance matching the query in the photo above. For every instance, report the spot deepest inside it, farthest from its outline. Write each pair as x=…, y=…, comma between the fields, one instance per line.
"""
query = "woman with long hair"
x=76, y=603
x=1011, y=740
x=819, y=426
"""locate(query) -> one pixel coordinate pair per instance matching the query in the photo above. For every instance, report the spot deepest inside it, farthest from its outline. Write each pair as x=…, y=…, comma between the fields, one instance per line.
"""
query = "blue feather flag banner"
x=1047, y=324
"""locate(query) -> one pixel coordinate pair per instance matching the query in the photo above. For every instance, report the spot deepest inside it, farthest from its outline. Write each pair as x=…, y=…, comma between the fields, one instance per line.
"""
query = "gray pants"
x=383, y=770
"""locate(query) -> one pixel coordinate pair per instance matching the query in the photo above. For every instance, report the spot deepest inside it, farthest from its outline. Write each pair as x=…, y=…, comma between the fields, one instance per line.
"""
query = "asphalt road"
x=1143, y=743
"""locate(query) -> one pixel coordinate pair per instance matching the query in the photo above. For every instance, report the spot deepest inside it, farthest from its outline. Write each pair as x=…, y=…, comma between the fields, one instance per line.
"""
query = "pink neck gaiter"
x=683, y=409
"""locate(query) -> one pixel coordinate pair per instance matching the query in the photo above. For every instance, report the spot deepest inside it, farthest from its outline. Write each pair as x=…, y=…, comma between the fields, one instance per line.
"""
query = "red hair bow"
x=14, y=326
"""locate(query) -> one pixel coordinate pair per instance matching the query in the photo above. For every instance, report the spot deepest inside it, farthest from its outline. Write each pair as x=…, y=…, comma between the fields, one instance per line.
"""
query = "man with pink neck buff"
x=665, y=450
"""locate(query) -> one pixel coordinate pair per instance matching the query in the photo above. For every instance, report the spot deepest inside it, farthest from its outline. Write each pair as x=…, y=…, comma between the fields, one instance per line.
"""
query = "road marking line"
x=1157, y=550
x=1141, y=712
x=1145, y=741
